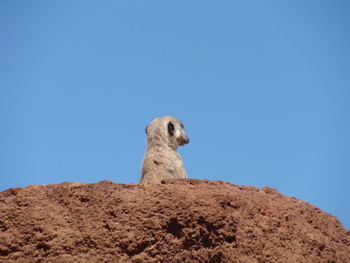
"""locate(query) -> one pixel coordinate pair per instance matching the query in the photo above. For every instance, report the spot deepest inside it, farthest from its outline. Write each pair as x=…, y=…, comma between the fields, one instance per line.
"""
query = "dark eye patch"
x=171, y=128
x=182, y=126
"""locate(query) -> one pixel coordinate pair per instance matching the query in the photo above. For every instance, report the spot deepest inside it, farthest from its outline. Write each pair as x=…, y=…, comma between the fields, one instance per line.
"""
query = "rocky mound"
x=178, y=221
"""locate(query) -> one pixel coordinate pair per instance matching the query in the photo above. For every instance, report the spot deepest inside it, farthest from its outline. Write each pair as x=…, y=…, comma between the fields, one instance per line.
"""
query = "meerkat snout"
x=184, y=141
x=161, y=160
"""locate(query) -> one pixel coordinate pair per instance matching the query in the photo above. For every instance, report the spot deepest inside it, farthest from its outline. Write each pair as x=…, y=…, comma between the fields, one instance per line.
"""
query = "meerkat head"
x=166, y=131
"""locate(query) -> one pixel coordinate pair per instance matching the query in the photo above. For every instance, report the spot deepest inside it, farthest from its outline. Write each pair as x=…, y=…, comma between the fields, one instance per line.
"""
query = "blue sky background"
x=263, y=88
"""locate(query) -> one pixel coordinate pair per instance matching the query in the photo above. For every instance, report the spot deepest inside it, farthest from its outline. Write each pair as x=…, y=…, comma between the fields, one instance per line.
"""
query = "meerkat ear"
x=171, y=128
x=146, y=129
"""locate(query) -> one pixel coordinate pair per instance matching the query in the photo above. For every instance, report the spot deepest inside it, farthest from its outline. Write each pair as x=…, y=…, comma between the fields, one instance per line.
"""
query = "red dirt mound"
x=178, y=221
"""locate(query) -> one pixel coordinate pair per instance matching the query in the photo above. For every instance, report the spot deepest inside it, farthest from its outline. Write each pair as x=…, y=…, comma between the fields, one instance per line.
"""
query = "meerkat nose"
x=185, y=140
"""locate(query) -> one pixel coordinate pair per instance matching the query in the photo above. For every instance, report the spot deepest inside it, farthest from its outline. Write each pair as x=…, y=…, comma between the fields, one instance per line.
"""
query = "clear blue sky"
x=263, y=88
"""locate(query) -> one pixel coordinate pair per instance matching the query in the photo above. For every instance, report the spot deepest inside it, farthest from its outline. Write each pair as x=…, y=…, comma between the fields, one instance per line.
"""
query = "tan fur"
x=161, y=160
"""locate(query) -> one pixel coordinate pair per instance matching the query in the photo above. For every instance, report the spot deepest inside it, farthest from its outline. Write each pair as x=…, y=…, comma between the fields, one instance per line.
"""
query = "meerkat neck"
x=158, y=142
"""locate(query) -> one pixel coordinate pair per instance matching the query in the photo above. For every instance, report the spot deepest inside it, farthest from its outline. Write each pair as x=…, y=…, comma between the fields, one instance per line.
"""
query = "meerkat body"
x=161, y=160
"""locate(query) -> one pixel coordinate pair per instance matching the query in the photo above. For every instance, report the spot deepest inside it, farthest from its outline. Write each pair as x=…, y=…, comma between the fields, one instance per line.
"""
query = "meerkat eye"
x=182, y=126
x=171, y=128
x=146, y=129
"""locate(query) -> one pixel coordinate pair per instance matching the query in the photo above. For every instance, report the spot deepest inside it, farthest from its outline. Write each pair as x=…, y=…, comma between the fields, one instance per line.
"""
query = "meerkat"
x=161, y=160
